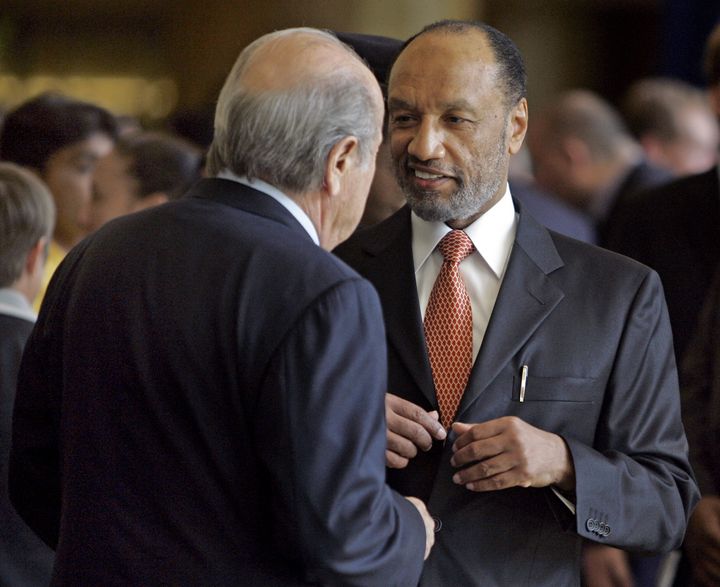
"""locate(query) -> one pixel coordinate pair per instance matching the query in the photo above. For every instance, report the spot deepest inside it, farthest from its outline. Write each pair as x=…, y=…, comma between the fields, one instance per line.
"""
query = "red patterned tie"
x=448, y=327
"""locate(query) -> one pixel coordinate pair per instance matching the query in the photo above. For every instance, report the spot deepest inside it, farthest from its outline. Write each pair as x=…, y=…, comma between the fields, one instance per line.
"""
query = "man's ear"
x=518, y=125
x=35, y=259
x=342, y=157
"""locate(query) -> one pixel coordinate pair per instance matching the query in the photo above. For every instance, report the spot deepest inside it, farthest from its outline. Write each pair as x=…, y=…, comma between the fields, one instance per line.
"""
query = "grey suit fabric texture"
x=593, y=330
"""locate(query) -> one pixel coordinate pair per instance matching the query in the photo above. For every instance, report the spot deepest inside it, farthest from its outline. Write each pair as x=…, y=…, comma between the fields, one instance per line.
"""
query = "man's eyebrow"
x=461, y=105
x=398, y=103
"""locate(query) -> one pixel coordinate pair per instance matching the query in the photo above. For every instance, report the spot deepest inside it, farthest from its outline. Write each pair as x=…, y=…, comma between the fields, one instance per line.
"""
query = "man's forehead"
x=444, y=55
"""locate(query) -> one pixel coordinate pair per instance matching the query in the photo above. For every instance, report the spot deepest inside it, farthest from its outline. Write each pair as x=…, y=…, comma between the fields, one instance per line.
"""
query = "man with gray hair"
x=204, y=397
x=27, y=218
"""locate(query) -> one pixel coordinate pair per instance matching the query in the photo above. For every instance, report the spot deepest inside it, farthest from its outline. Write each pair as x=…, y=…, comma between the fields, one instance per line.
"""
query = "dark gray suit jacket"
x=593, y=328
x=202, y=403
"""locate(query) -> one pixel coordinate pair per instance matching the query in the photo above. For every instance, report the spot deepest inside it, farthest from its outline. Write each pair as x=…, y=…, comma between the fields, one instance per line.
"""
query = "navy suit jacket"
x=202, y=403
x=593, y=329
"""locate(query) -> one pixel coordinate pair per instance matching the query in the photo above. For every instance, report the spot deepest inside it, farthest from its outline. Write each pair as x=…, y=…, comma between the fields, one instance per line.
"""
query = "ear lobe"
x=519, y=126
x=342, y=157
x=36, y=256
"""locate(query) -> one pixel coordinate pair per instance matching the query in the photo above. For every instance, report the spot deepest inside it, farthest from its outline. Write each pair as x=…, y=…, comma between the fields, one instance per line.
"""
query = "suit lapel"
x=527, y=296
x=390, y=269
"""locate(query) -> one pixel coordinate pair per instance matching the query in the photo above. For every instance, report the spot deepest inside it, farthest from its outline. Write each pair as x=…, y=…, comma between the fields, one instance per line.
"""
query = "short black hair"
x=161, y=162
x=512, y=67
x=38, y=128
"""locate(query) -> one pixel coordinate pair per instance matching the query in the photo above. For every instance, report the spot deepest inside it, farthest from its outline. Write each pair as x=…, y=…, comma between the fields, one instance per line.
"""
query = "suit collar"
x=527, y=296
x=247, y=199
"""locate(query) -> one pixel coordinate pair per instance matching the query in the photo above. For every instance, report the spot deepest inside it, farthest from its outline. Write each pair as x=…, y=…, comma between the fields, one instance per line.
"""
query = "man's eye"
x=400, y=119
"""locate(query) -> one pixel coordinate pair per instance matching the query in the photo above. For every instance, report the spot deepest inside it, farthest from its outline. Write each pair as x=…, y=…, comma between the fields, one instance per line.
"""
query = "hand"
x=429, y=524
x=508, y=452
x=409, y=428
x=702, y=541
x=605, y=566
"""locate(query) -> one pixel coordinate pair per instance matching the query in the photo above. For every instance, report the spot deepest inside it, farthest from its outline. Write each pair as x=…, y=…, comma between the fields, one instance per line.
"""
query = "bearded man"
x=533, y=398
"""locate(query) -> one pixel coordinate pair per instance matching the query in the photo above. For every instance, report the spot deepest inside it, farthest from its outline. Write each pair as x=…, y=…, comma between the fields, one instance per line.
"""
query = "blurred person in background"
x=61, y=139
x=547, y=208
x=143, y=170
x=701, y=413
x=27, y=215
x=675, y=229
x=674, y=123
x=582, y=152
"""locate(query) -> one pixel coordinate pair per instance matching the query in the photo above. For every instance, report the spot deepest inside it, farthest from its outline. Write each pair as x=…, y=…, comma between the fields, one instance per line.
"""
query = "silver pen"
x=523, y=382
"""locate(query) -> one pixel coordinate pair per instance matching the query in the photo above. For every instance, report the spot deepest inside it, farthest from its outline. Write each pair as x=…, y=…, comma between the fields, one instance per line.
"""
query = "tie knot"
x=455, y=246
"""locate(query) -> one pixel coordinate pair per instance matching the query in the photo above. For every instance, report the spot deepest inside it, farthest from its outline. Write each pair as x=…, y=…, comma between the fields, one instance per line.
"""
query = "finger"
x=401, y=445
x=467, y=433
x=502, y=481
x=483, y=470
x=478, y=450
x=411, y=431
x=395, y=461
x=414, y=413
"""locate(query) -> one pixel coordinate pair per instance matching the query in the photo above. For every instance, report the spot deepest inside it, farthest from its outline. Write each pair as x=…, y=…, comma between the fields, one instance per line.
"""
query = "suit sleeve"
x=34, y=468
x=321, y=433
x=635, y=488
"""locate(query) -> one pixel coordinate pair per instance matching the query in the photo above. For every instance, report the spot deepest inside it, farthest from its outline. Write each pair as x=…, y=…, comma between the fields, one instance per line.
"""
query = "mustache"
x=409, y=162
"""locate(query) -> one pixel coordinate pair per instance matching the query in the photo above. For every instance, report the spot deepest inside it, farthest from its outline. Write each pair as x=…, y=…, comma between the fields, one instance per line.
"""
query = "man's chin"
x=429, y=211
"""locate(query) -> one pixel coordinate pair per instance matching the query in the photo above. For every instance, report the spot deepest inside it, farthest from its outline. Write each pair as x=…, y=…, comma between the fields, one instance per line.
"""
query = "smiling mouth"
x=426, y=175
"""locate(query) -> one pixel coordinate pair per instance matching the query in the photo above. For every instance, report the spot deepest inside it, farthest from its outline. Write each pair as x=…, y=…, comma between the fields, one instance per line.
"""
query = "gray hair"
x=284, y=136
x=27, y=213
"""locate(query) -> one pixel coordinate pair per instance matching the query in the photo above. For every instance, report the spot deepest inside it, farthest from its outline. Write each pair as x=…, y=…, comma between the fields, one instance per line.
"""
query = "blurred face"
x=115, y=193
x=69, y=175
x=695, y=150
x=450, y=131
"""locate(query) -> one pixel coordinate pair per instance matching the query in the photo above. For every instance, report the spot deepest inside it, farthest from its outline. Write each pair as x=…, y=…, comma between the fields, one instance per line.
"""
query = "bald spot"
x=300, y=58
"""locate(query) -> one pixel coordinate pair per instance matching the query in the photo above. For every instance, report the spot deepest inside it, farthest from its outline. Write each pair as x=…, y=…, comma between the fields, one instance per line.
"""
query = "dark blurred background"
x=163, y=61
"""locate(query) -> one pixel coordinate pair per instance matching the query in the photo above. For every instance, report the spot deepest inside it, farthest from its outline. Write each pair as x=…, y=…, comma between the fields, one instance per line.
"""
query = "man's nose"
x=427, y=144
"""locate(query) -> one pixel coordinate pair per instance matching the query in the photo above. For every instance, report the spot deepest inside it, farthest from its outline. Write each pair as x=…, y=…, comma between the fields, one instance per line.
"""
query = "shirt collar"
x=13, y=303
x=492, y=234
x=288, y=203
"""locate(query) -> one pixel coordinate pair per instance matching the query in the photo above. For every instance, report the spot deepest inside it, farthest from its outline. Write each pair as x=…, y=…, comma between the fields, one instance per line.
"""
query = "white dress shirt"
x=493, y=235
x=289, y=204
x=13, y=303
x=482, y=271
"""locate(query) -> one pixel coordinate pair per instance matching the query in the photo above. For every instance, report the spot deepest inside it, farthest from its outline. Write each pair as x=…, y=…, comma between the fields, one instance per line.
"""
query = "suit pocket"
x=555, y=389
